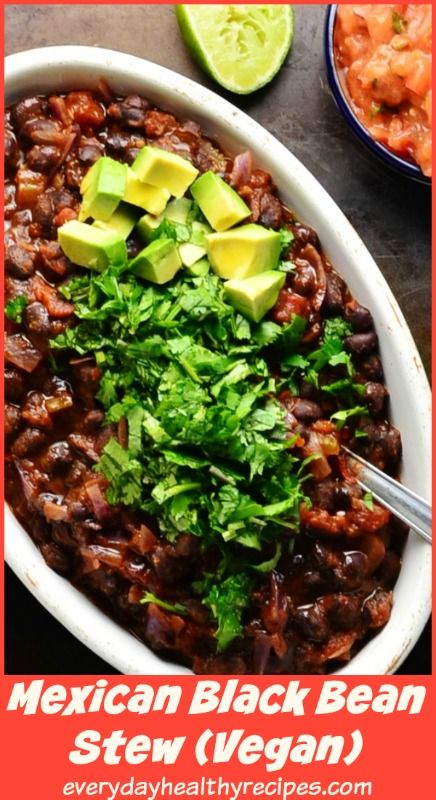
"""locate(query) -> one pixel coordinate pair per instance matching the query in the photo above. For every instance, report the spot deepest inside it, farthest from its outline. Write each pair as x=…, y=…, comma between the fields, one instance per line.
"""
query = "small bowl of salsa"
x=378, y=59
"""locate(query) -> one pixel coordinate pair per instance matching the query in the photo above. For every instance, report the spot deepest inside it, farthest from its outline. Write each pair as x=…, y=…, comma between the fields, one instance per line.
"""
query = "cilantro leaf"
x=227, y=602
x=14, y=308
x=175, y=608
x=368, y=499
x=341, y=417
x=286, y=237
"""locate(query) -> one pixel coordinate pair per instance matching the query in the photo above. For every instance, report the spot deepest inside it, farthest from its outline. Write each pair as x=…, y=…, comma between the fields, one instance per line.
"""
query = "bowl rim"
x=56, y=65
x=395, y=162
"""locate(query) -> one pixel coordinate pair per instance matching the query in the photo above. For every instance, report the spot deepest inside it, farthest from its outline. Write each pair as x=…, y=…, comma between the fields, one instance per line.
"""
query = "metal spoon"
x=401, y=501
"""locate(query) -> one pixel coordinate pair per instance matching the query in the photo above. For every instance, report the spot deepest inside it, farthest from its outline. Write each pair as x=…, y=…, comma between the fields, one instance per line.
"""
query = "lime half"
x=241, y=46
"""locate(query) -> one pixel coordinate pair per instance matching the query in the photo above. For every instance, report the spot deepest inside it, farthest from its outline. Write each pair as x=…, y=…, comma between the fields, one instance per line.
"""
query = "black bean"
x=12, y=419
x=304, y=280
x=351, y=573
x=375, y=396
x=388, y=570
x=42, y=157
x=93, y=420
x=28, y=442
x=20, y=260
x=308, y=391
x=371, y=368
x=345, y=610
x=28, y=109
x=323, y=494
x=359, y=317
x=361, y=344
x=271, y=211
x=57, y=457
x=43, y=212
x=306, y=410
x=42, y=131
x=78, y=511
x=344, y=493
x=117, y=144
x=12, y=153
x=334, y=295
x=56, y=558
x=14, y=385
x=89, y=150
x=304, y=234
x=131, y=111
x=63, y=199
x=390, y=440
x=49, y=204
x=37, y=319
x=382, y=444
x=377, y=608
x=76, y=473
x=312, y=622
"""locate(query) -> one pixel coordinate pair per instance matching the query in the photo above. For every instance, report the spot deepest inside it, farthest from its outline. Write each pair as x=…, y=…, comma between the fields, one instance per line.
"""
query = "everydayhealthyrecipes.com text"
x=220, y=746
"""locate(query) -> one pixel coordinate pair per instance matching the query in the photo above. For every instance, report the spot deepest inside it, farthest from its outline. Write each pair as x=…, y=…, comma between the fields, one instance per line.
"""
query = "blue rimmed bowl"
x=388, y=157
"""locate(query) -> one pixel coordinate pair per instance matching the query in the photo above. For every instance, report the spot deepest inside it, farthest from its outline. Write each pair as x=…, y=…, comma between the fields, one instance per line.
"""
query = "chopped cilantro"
x=171, y=230
x=368, y=499
x=207, y=448
x=175, y=608
x=286, y=238
x=227, y=601
x=341, y=417
x=14, y=308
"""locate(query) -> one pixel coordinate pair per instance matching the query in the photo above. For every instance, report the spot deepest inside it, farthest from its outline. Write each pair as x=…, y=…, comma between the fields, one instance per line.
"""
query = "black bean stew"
x=332, y=588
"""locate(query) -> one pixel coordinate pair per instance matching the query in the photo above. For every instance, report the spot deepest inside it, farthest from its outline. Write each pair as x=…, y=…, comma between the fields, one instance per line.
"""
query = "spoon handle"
x=401, y=501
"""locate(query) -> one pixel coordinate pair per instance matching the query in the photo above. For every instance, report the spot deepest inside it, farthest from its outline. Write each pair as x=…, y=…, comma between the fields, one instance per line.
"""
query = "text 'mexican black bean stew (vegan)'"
x=173, y=449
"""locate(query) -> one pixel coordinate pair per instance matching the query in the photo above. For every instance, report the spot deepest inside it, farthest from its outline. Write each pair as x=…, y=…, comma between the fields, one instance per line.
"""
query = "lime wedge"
x=241, y=46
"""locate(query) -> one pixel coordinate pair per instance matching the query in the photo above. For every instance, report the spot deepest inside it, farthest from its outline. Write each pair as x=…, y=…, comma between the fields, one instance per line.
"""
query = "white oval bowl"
x=63, y=68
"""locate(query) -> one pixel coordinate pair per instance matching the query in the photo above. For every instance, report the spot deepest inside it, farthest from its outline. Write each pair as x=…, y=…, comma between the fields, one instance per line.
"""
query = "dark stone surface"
x=391, y=214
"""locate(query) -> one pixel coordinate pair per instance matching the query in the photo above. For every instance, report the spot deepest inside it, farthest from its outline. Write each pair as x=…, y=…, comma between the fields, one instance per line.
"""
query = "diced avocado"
x=220, y=204
x=158, y=262
x=102, y=187
x=199, y=269
x=150, y=198
x=243, y=252
x=178, y=210
x=122, y=221
x=190, y=253
x=147, y=225
x=91, y=247
x=253, y=297
x=199, y=231
x=166, y=170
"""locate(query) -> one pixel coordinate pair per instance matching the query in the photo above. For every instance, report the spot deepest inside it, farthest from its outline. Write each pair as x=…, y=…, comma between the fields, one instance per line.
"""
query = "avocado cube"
x=122, y=221
x=190, y=253
x=178, y=210
x=91, y=247
x=147, y=225
x=166, y=170
x=220, y=204
x=158, y=262
x=103, y=188
x=199, y=269
x=199, y=231
x=138, y=193
x=243, y=252
x=253, y=297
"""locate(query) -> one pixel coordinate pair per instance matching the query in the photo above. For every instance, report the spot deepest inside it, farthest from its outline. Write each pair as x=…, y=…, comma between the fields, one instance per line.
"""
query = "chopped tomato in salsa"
x=385, y=53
